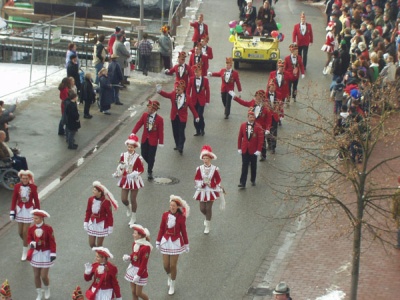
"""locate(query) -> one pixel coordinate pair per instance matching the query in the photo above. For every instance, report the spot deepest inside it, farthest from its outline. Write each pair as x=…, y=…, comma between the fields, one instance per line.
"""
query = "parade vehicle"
x=255, y=49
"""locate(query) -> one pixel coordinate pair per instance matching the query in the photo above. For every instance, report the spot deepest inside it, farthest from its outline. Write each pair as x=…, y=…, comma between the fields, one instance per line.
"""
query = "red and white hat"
x=133, y=140
x=331, y=25
x=142, y=230
x=107, y=194
x=77, y=294
x=206, y=150
x=182, y=204
x=103, y=251
x=40, y=213
x=29, y=173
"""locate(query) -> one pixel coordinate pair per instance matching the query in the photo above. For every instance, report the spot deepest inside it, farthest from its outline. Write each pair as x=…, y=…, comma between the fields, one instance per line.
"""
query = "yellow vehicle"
x=255, y=49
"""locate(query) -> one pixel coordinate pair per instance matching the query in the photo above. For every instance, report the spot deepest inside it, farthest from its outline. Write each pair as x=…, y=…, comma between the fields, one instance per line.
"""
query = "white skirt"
x=41, y=259
x=327, y=48
x=23, y=215
x=171, y=248
x=103, y=294
x=131, y=271
x=97, y=229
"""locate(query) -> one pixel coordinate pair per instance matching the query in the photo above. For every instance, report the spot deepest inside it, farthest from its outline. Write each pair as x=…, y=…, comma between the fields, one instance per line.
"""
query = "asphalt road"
x=220, y=265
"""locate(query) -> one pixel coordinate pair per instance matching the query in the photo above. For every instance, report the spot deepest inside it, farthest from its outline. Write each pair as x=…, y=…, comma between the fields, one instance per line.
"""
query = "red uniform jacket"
x=105, y=281
x=282, y=88
x=299, y=38
x=193, y=60
x=104, y=214
x=183, y=74
x=33, y=200
x=290, y=67
x=181, y=112
x=111, y=43
x=228, y=85
x=46, y=241
x=137, y=166
x=255, y=142
x=264, y=117
x=176, y=232
x=215, y=180
x=205, y=50
x=199, y=93
x=140, y=258
x=197, y=36
x=153, y=132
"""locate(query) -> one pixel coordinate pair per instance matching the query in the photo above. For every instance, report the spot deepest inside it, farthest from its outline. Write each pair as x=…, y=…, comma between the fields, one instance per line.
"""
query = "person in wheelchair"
x=8, y=155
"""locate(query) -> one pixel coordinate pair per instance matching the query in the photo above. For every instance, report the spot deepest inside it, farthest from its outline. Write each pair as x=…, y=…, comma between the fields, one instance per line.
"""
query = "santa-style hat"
x=107, y=194
x=260, y=93
x=182, y=204
x=154, y=104
x=40, y=213
x=331, y=25
x=133, y=140
x=103, y=251
x=5, y=289
x=140, y=229
x=280, y=63
x=181, y=84
x=29, y=173
x=77, y=294
x=182, y=54
x=228, y=60
x=206, y=150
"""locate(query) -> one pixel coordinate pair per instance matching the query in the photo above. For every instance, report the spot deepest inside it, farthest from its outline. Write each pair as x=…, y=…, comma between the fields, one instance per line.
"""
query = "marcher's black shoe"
x=176, y=148
x=242, y=186
x=263, y=158
x=196, y=134
x=150, y=176
x=61, y=133
x=253, y=183
x=273, y=151
x=203, y=133
x=73, y=147
x=119, y=103
x=226, y=117
x=88, y=116
x=180, y=151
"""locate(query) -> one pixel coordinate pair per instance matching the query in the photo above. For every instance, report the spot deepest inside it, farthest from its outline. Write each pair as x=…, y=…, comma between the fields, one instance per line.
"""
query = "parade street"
x=220, y=265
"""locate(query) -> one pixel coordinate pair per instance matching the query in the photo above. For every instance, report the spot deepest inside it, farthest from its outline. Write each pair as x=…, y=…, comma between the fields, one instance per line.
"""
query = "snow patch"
x=333, y=293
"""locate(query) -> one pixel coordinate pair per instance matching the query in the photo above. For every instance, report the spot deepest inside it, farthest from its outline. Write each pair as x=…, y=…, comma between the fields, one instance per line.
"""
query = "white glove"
x=120, y=298
x=158, y=88
x=12, y=215
x=110, y=229
x=257, y=153
x=88, y=268
x=302, y=76
x=166, y=71
x=281, y=118
x=126, y=257
x=187, y=248
x=193, y=17
x=136, y=278
x=240, y=151
x=100, y=269
x=158, y=245
x=232, y=93
x=32, y=245
x=85, y=225
x=160, y=145
x=197, y=120
x=207, y=104
x=209, y=74
x=190, y=53
x=267, y=132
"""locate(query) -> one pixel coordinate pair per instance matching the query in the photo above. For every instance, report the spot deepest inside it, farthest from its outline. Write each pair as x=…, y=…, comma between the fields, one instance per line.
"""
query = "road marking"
x=49, y=188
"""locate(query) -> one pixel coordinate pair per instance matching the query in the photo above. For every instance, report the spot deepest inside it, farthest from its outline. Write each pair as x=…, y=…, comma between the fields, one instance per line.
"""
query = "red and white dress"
x=129, y=169
x=172, y=235
x=207, y=175
x=99, y=217
x=139, y=258
x=330, y=43
x=105, y=284
x=45, y=248
x=25, y=199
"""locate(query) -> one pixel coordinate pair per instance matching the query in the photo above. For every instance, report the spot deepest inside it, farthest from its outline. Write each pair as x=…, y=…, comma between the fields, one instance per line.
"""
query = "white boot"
x=24, y=253
x=207, y=229
x=128, y=210
x=172, y=288
x=133, y=219
x=39, y=294
x=46, y=292
x=169, y=279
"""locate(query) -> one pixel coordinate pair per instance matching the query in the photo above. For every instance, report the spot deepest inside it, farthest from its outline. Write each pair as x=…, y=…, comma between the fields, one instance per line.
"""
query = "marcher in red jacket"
x=294, y=65
x=180, y=102
x=273, y=105
x=182, y=71
x=153, y=134
x=99, y=219
x=200, y=29
x=199, y=92
x=24, y=199
x=42, y=252
x=172, y=238
x=229, y=78
x=129, y=171
x=250, y=142
x=303, y=36
x=197, y=57
x=137, y=273
x=105, y=284
x=206, y=49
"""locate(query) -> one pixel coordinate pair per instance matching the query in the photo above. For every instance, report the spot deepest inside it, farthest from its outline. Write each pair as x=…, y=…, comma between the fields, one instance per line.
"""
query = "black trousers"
x=166, y=62
x=149, y=155
x=226, y=101
x=86, y=108
x=248, y=159
x=178, y=130
x=303, y=51
x=264, y=148
x=293, y=88
x=200, y=125
x=274, y=132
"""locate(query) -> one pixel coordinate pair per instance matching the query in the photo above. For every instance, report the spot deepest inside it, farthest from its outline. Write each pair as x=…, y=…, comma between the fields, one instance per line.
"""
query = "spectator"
x=87, y=95
x=337, y=95
x=388, y=26
x=373, y=70
x=99, y=56
x=18, y=162
x=63, y=87
x=390, y=47
x=115, y=76
x=165, y=47
x=266, y=16
x=344, y=57
x=4, y=119
x=282, y=292
x=248, y=15
x=72, y=121
x=145, y=48
x=73, y=71
x=122, y=55
x=106, y=92
x=71, y=50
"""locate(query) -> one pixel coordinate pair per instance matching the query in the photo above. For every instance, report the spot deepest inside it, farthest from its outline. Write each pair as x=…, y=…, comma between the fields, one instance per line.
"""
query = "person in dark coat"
x=344, y=56
x=72, y=123
x=4, y=119
x=73, y=71
x=116, y=77
x=106, y=92
x=87, y=95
